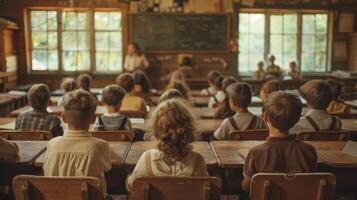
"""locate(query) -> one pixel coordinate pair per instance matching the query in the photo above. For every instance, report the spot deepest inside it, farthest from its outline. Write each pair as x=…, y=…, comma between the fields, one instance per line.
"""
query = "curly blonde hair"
x=173, y=125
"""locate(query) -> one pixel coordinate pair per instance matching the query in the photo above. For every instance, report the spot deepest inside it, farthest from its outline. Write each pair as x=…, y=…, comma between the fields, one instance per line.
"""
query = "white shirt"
x=220, y=96
x=134, y=62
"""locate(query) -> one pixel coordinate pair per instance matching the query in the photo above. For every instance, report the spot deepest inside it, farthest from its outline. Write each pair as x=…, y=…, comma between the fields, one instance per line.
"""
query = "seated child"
x=173, y=127
x=294, y=73
x=112, y=97
x=223, y=108
x=84, y=83
x=219, y=96
x=67, y=85
x=38, y=119
x=142, y=85
x=280, y=153
x=77, y=153
x=8, y=149
x=318, y=96
x=336, y=106
x=260, y=73
x=212, y=89
x=182, y=87
x=273, y=69
x=269, y=87
x=171, y=94
x=130, y=101
x=240, y=97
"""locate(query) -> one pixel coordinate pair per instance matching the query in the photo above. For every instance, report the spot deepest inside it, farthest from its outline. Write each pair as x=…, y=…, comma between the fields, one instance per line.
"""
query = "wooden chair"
x=26, y=135
x=57, y=188
x=133, y=113
x=277, y=186
x=324, y=136
x=114, y=136
x=260, y=134
x=176, y=188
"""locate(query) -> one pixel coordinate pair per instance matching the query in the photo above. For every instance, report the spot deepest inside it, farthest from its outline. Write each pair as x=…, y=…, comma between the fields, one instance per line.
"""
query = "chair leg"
x=25, y=190
x=84, y=190
x=206, y=191
x=322, y=190
x=266, y=189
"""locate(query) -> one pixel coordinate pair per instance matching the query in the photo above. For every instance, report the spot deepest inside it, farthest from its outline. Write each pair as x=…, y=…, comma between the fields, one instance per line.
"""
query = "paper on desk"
x=137, y=120
x=9, y=126
x=350, y=148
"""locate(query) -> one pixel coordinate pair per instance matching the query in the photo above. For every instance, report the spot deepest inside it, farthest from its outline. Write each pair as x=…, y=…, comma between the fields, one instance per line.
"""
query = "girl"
x=135, y=60
x=224, y=110
x=67, y=85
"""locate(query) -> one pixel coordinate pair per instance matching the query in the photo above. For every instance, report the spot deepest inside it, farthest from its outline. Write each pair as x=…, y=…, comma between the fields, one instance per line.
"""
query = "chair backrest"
x=277, y=186
x=26, y=135
x=57, y=188
x=259, y=134
x=176, y=188
x=324, y=136
x=133, y=113
x=115, y=136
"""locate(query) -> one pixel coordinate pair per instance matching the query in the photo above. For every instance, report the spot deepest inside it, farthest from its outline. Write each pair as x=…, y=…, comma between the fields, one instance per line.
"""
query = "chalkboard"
x=180, y=32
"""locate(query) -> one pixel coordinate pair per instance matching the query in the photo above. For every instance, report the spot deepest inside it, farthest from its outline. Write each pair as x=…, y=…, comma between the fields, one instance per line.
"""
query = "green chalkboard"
x=180, y=32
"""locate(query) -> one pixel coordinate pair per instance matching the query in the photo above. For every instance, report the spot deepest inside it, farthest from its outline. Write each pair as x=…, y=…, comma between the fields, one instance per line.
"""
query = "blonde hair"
x=112, y=95
x=39, y=96
x=68, y=84
x=182, y=87
x=173, y=124
x=170, y=94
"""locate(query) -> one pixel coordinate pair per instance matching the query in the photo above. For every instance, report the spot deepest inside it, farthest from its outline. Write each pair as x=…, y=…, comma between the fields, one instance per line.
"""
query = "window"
x=60, y=41
x=301, y=37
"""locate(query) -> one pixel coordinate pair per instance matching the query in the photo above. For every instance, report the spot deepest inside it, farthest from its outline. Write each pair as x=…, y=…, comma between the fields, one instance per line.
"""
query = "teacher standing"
x=135, y=60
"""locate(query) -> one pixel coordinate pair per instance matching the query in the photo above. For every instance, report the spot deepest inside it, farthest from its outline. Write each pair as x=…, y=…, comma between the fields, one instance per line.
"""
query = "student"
x=177, y=75
x=142, y=85
x=182, y=87
x=212, y=89
x=171, y=94
x=8, y=149
x=336, y=106
x=260, y=73
x=219, y=97
x=273, y=69
x=135, y=59
x=38, y=119
x=67, y=85
x=130, y=101
x=294, y=73
x=173, y=127
x=318, y=96
x=240, y=97
x=281, y=153
x=112, y=97
x=84, y=83
x=186, y=66
x=223, y=108
x=77, y=153
x=269, y=87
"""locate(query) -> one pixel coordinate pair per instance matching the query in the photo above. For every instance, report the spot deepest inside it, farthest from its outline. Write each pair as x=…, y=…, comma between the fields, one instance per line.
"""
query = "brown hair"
x=137, y=48
x=335, y=87
x=317, y=93
x=170, y=94
x=218, y=81
x=213, y=74
x=283, y=110
x=182, y=87
x=113, y=95
x=68, y=84
x=39, y=96
x=178, y=75
x=84, y=81
x=226, y=82
x=269, y=87
x=173, y=125
x=79, y=107
x=241, y=94
x=126, y=81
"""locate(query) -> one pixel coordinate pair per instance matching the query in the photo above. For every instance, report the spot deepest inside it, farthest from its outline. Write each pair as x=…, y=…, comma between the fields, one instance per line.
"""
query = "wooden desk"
x=201, y=101
x=7, y=123
x=55, y=110
x=119, y=151
x=138, y=148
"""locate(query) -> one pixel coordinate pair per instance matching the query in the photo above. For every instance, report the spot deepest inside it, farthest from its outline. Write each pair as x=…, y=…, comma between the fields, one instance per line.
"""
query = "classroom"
x=178, y=99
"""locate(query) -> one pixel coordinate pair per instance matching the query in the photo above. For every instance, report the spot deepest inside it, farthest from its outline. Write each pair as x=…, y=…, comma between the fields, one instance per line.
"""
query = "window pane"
x=39, y=60
x=320, y=62
x=53, y=60
x=39, y=39
x=82, y=21
x=115, y=59
x=102, y=61
x=276, y=24
x=321, y=23
x=83, y=43
x=38, y=20
x=256, y=43
x=290, y=43
x=101, y=20
x=69, y=40
x=276, y=43
x=320, y=44
x=257, y=23
x=69, y=21
x=290, y=23
x=102, y=41
x=308, y=62
x=308, y=24
x=52, y=40
x=52, y=20
x=244, y=43
x=308, y=43
x=244, y=62
x=70, y=60
x=115, y=41
x=287, y=59
x=83, y=60
x=243, y=23
x=114, y=20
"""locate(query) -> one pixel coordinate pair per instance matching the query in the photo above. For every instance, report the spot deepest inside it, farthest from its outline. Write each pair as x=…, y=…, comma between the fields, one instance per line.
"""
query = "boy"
x=130, y=101
x=260, y=73
x=77, y=153
x=336, y=106
x=112, y=97
x=84, y=82
x=240, y=97
x=269, y=87
x=280, y=153
x=8, y=149
x=318, y=96
x=212, y=89
x=273, y=69
x=294, y=73
x=38, y=119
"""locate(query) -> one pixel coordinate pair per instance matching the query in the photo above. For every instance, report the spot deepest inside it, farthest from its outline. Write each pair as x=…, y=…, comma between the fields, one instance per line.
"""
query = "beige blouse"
x=8, y=149
x=192, y=165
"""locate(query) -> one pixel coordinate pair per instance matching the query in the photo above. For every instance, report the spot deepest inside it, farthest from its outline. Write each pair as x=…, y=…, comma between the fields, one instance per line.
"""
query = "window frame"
x=268, y=12
x=91, y=35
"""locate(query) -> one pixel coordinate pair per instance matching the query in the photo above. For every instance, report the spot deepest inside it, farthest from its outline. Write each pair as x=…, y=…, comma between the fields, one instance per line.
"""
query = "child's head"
x=173, y=126
x=178, y=75
x=39, y=97
x=68, y=84
x=79, y=109
x=269, y=87
x=133, y=48
x=84, y=81
x=336, y=88
x=227, y=81
x=282, y=111
x=271, y=59
x=126, y=81
x=182, y=87
x=171, y=94
x=213, y=74
x=112, y=96
x=142, y=80
x=292, y=65
x=240, y=95
x=217, y=82
x=317, y=93
x=260, y=65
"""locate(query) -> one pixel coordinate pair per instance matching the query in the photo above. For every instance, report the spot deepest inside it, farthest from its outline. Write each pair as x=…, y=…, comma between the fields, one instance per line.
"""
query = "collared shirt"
x=280, y=154
x=218, y=97
x=133, y=103
x=192, y=165
x=39, y=121
x=337, y=107
x=320, y=117
x=112, y=121
x=8, y=149
x=77, y=153
x=134, y=62
x=242, y=121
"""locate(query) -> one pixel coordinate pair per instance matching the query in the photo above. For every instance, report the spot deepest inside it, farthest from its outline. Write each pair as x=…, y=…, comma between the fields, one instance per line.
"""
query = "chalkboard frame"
x=184, y=14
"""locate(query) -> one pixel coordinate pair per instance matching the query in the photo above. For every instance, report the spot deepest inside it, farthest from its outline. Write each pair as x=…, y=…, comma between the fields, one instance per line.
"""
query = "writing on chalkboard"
x=168, y=32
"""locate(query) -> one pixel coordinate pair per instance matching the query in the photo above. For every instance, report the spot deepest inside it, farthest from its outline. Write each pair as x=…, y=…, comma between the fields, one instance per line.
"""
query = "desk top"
x=138, y=148
x=119, y=151
x=28, y=152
